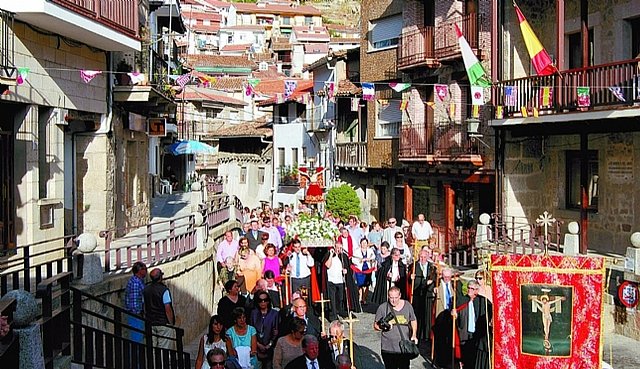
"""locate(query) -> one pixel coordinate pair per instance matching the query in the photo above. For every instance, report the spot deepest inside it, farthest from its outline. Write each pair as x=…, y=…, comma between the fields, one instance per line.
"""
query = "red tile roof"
x=316, y=49
x=248, y=129
x=245, y=27
x=304, y=33
x=271, y=73
x=202, y=15
x=304, y=86
x=200, y=60
x=277, y=9
x=192, y=93
x=342, y=28
x=236, y=47
x=223, y=83
x=218, y=4
x=201, y=28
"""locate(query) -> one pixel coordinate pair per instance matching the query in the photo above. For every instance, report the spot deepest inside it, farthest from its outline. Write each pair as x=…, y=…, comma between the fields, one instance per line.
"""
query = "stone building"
x=57, y=132
x=578, y=159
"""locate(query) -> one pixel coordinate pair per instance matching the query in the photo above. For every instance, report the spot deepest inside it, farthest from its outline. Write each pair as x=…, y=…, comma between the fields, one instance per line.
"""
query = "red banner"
x=547, y=311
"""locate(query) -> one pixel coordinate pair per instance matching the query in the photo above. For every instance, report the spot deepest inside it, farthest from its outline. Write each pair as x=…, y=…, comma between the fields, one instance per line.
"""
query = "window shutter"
x=386, y=28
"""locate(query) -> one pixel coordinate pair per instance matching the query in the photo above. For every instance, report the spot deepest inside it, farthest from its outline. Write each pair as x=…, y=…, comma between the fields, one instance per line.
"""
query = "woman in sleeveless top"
x=272, y=261
x=215, y=338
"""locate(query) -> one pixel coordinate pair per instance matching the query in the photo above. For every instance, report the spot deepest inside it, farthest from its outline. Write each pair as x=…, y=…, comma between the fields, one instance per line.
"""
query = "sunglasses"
x=399, y=237
x=263, y=300
x=217, y=363
x=479, y=278
x=333, y=336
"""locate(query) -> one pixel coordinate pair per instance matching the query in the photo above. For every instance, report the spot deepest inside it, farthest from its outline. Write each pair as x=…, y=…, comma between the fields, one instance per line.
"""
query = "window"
x=212, y=113
x=384, y=32
x=243, y=175
x=389, y=118
x=573, y=200
x=281, y=160
x=308, y=21
x=294, y=157
x=286, y=20
x=44, y=152
x=635, y=37
x=261, y=175
x=575, y=49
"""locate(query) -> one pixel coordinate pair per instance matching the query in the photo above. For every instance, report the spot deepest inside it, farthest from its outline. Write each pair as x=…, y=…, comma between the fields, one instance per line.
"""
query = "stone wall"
x=190, y=279
x=535, y=181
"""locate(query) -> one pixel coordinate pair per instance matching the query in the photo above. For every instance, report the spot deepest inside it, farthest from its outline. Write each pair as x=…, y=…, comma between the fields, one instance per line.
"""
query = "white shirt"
x=334, y=274
x=309, y=366
x=306, y=262
x=389, y=234
x=422, y=232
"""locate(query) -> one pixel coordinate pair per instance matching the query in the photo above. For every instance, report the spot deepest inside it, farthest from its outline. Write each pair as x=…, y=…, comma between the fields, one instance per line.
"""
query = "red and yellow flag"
x=539, y=56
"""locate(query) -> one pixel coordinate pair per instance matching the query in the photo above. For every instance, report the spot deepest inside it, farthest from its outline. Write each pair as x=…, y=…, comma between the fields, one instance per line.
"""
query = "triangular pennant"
x=136, y=77
x=404, y=104
x=617, y=92
x=546, y=96
x=331, y=86
x=183, y=80
x=510, y=96
x=475, y=111
x=477, y=95
x=441, y=91
x=535, y=112
x=523, y=111
x=253, y=82
x=452, y=110
x=88, y=75
x=584, y=98
x=289, y=87
x=23, y=72
x=368, y=91
x=399, y=87
x=499, y=112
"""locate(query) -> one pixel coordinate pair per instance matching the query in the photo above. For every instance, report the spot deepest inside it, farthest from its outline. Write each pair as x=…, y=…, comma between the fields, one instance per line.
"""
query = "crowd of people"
x=278, y=296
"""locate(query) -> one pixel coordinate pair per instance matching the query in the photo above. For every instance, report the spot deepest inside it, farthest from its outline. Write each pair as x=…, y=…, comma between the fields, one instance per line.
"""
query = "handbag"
x=407, y=347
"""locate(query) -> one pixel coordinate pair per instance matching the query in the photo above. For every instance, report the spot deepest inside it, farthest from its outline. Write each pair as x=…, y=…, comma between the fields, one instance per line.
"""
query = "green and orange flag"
x=539, y=57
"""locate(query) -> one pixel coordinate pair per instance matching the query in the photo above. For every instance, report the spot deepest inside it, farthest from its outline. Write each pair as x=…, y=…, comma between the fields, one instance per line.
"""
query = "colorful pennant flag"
x=399, y=87
x=183, y=80
x=539, y=57
x=475, y=111
x=510, y=96
x=331, y=86
x=250, y=88
x=477, y=74
x=617, y=92
x=136, y=77
x=546, y=96
x=88, y=75
x=584, y=99
x=452, y=110
x=289, y=87
x=499, y=112
x=535, y=112
x=404, y=104
x=523, y=111
x=477, y=95
x=355, y=103
x=442, y=91
x=23, y=72
x=368, y=91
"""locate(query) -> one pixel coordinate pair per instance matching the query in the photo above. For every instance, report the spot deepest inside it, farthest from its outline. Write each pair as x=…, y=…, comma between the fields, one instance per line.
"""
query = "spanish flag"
x=539, y=56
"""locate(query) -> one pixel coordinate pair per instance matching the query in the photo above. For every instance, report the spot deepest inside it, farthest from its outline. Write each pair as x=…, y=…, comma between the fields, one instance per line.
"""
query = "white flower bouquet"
x=313, y=231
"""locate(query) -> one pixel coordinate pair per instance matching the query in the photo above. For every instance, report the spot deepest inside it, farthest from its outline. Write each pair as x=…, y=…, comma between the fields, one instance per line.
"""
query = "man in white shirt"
x=389, y=233
x=335, y=281
x=354, y=230
x=421, y=231
x=274, y=233
x=300, y=263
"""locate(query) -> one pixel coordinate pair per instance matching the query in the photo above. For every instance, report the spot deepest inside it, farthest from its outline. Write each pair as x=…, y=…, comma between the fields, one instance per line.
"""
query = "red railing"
x=446, y=40
x=563, y=98
x=418, y=141
x=416, y=47
x=120, y=15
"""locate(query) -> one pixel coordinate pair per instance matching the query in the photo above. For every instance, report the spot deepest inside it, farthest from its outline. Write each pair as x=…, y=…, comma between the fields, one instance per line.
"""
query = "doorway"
x=7, y=208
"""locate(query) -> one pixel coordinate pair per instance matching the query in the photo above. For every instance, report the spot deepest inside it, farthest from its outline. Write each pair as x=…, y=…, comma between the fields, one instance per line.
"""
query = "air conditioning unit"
x=58, y=115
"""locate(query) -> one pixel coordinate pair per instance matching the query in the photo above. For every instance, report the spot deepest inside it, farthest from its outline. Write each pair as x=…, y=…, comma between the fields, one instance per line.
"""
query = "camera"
x=383, y=323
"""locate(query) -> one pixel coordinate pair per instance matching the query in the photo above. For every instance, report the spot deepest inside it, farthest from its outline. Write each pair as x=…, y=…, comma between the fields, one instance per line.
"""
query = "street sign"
x=628, y=294
x=157, y=127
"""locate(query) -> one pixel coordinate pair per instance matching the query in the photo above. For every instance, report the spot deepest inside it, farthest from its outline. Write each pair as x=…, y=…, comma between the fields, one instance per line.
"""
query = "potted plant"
x=121, y=73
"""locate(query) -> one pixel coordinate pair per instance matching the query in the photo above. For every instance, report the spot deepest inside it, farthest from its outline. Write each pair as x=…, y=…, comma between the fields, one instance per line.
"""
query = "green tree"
x=344, y=201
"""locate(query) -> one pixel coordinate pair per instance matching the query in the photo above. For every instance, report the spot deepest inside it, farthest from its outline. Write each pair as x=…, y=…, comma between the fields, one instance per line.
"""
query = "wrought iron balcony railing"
x=610, y=85
x=416, y=48
x=119, y=15
x=446, y=40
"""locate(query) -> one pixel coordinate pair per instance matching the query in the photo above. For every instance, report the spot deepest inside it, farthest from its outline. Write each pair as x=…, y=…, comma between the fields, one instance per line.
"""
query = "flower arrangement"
x=313, y=231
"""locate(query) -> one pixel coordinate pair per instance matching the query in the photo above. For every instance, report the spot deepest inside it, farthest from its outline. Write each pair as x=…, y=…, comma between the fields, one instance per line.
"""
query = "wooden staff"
x=413, y=271
x=433, y=306
x=322, y=301
x=453, y=326
x=351, y=320
x=286, y=288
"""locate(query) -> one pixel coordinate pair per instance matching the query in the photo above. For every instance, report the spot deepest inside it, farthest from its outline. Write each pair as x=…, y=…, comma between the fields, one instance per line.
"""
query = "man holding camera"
x=395, y=319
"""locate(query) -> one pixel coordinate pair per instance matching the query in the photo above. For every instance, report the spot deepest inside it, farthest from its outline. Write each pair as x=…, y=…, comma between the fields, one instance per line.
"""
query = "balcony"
x=416, y=48
x=288, y=176
x=436, y=143
x=564, y=96
x=107, y=25
x=446, y=41
x=351, y=154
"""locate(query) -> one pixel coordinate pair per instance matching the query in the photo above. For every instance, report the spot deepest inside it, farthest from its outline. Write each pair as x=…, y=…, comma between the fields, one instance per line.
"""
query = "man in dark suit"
x=424, y=277
x=335, y=344
x=310, y=359
x=299, y=310
x=472, y=313
x=254, y=235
